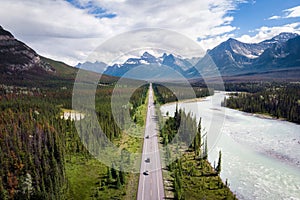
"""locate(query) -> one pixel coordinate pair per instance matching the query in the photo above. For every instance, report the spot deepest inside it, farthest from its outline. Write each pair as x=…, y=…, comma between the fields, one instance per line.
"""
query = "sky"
x=70, y=30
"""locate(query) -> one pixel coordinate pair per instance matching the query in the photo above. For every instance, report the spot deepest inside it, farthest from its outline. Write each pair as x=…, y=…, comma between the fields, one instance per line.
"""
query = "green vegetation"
x=42, y=155
x=32, y=149
x=191, y=174
x=277, y=100
x=63, y=76
x=165, y=95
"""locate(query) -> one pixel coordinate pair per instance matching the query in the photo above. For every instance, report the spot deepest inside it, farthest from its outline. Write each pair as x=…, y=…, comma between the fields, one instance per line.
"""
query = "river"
x=260, y=156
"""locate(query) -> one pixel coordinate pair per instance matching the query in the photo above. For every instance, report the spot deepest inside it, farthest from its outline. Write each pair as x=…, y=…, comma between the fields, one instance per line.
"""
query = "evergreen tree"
x=118, y=183
x=218, y=168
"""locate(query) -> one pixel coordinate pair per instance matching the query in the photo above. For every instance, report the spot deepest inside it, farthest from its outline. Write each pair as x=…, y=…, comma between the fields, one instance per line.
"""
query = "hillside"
x=20, y=65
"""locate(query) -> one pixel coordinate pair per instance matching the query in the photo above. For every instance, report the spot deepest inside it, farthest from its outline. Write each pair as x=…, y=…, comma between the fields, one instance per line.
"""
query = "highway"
x=151, y=183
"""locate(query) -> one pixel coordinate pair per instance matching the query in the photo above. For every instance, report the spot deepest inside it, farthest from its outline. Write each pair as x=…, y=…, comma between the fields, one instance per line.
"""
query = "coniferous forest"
x=280, y=100
x=165, y=95
x=39, y=148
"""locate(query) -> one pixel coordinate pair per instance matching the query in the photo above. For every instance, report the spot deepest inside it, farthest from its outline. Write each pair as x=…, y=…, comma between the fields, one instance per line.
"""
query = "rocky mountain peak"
x=148, y=57
x=15, y=56
x=282, y=37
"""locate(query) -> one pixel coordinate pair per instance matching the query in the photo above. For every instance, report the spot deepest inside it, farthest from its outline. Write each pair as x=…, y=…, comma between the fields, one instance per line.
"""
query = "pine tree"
x=205, y=151
x=109, y=175
x=114, y=172
x=118, y=182
x=218, y=168
x=122, y=175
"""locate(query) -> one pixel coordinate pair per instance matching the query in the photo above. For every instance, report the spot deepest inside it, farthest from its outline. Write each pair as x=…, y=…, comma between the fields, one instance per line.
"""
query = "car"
x=147, y=160
x=146, y=173
x=147, y=137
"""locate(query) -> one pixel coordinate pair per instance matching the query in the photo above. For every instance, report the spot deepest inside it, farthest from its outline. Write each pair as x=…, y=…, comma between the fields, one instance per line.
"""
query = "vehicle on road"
x=147, y=137
x=146, y=173
x=147, y=160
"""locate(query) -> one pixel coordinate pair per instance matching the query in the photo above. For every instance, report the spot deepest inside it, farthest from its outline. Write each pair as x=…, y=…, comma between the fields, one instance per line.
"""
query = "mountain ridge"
x=230, y=58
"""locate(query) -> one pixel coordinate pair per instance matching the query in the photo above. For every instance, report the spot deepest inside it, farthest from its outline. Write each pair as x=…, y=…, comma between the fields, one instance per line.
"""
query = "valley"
x=138, y=139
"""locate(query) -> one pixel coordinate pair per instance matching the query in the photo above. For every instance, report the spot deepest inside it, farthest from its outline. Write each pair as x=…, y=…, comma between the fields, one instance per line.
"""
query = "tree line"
x=277, y=100
x=165, y=95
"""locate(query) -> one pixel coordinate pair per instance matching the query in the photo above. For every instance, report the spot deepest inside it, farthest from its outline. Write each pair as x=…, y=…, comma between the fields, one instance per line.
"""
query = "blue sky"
x=69, y=30
x=253, y=15
x=92, y=9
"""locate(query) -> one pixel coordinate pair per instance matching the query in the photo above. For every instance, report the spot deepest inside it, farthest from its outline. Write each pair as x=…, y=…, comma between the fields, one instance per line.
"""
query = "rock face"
x=234, y=57
x=15, y=56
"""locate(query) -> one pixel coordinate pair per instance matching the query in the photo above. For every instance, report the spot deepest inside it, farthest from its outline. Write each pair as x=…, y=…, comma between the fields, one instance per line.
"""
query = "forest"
x=279, y=100
x=164, y=94
x=41, y=153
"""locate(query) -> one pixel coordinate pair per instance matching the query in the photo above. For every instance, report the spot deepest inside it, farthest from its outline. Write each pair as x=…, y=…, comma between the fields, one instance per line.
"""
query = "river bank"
x=261, y=155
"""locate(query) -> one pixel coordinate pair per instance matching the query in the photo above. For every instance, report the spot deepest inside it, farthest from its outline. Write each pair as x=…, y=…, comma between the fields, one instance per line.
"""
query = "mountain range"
x=230, y=58
x=233, y=57
x=277, y=57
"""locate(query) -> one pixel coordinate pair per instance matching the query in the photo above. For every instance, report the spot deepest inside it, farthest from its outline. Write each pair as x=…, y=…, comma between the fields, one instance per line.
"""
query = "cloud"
x=288, y=13
x=265, y=32
x=274, y=17
x=211, y=42
x=292, y=12
x=70, y=30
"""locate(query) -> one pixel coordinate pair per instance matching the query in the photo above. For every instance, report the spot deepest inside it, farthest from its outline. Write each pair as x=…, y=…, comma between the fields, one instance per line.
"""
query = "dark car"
x=147, y=137
x=147, y=160
x=146, y=173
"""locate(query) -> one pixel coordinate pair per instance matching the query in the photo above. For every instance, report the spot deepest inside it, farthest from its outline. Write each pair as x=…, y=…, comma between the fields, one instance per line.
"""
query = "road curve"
x=151, y=184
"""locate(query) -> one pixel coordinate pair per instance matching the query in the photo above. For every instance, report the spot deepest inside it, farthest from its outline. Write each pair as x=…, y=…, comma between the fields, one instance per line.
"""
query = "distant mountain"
x=19, y=64
x=230, y=58
x=170, y=61
x=281, y=38
x=92, y=66
x=233, y=57
x=279, y=56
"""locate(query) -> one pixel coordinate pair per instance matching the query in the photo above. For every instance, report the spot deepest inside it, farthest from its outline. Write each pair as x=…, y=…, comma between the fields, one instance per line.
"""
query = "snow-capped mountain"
x=231, y=57
x=176, y=63
x=234, y=57
x=281, y=38
x=280, y=55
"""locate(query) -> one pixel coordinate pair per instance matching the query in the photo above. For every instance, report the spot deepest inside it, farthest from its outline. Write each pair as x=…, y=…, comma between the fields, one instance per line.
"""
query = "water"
x=260, y=157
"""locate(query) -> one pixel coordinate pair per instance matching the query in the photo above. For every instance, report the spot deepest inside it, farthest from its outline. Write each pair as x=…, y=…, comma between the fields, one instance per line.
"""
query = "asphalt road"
x=151, y=184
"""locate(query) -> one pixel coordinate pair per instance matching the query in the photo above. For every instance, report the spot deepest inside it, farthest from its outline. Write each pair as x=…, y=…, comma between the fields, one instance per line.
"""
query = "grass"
x=61, y=68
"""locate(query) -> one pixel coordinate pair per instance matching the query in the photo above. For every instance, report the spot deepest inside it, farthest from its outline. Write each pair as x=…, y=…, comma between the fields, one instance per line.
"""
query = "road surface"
x=151, y=184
